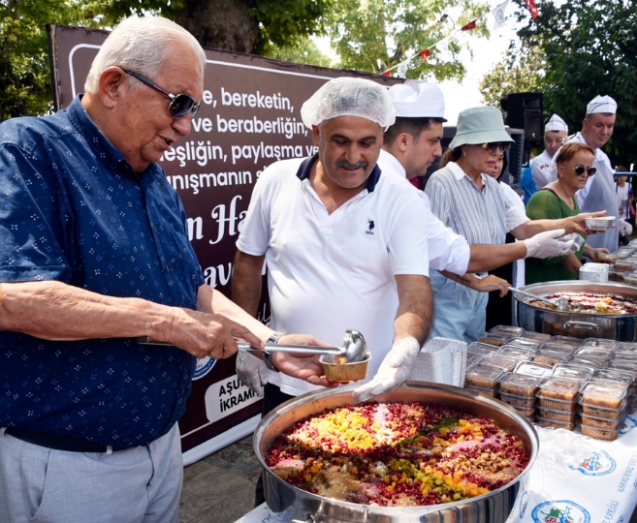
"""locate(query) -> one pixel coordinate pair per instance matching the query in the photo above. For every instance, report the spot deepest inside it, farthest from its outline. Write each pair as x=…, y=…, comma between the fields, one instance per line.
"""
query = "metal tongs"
x=561, y=303
x=354, y=347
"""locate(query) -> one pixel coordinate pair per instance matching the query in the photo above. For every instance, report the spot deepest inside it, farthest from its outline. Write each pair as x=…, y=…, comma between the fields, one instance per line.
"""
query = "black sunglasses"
x=180, y=104
x=493, y=147
x=581, y=170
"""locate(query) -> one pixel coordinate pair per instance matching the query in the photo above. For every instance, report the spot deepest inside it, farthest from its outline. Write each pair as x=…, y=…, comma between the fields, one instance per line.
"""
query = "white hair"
x=141, y=45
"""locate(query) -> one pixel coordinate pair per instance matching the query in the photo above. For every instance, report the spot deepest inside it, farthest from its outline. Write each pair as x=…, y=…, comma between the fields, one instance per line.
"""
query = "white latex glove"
x=251, y=371
x=625, y=228
x=544, y=245
x=394, y=370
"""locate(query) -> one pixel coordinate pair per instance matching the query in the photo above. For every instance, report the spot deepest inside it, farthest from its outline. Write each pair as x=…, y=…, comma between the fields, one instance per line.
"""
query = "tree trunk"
x=220, y=24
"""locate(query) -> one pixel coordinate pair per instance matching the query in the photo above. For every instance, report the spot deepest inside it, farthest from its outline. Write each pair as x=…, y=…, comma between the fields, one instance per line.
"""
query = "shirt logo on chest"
x=370, y=227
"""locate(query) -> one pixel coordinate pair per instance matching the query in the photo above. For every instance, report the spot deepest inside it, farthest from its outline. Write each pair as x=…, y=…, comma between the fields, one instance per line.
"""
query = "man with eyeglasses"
x=93, y=254
x=555, y=134
x=599, y=192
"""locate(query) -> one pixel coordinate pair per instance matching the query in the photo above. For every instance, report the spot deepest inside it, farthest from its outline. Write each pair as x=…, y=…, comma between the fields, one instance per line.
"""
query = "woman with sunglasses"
x=471, y=203
x=556, y=200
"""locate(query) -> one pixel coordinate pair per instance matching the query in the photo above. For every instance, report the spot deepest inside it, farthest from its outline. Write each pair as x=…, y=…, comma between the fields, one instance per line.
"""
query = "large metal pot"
x=493, y=507
x=620, y=327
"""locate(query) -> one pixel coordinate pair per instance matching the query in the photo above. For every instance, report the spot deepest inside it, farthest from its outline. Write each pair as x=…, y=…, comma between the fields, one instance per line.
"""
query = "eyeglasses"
x=581, y=170
x=493, y=148
x=180, y=104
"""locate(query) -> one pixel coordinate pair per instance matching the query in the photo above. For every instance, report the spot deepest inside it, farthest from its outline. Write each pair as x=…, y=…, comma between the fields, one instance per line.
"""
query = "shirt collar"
x=460, y=174
x=306, y=167
x=392, y=162
x=99, y=144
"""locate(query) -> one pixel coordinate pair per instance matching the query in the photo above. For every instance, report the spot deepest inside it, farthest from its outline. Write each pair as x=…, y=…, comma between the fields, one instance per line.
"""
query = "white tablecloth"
x=575, y=479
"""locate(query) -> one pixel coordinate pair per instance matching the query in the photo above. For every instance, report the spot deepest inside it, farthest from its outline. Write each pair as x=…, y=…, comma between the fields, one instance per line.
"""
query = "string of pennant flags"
x=498, y=13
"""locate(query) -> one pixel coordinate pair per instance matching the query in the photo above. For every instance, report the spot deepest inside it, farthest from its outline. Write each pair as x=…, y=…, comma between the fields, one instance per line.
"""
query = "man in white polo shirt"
x=555, y=133
x=410, y=146
x=345, y=247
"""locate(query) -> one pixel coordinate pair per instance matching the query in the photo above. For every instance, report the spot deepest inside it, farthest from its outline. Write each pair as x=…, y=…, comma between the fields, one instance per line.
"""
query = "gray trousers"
x=138, y=485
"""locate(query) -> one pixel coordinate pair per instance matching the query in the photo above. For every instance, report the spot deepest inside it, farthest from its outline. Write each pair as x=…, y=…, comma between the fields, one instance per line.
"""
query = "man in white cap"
x=345, y=247
x=410, y=146
x=599, y=192
x=555, y=133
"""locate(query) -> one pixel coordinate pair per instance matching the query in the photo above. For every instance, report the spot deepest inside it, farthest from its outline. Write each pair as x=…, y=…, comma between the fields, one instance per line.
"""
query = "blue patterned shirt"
x=73, y=210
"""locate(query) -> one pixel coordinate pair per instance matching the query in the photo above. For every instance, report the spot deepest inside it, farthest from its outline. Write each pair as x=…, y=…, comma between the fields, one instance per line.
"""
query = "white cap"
x=415, y=99
x=601, y=104
x=348, y=96
x=555, y=123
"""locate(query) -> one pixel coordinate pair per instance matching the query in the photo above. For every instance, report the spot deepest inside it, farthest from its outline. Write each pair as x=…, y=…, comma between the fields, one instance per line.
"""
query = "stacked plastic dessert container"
x=622, y=264
x=557, y=381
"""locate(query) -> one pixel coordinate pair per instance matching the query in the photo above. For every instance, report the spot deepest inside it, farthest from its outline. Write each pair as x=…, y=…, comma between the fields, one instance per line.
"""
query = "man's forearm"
x=415, y=309
x=247, y=282
x=55, y=311
x=488, y=257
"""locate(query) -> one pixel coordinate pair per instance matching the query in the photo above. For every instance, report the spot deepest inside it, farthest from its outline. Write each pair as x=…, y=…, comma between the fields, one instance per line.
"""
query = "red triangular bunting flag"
x=387, y=73
x=473, y=25
x=424, y=54
x=532, y=7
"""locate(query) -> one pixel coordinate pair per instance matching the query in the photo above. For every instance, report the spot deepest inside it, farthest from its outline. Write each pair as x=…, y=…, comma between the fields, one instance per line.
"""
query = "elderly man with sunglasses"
x=93, y=254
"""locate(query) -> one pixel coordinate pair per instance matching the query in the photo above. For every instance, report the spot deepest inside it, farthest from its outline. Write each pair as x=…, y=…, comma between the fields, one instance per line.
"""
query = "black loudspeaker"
x=525, y=111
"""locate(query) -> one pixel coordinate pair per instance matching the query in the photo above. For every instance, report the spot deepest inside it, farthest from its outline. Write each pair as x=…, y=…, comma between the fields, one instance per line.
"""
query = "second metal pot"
x=619, y=327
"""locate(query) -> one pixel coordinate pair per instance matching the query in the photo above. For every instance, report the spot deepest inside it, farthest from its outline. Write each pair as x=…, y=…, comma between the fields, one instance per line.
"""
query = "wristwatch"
x=267, y=356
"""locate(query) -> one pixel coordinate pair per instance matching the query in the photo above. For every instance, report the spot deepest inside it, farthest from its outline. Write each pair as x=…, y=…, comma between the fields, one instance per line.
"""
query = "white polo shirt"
x=328, y=273
x=448, y=251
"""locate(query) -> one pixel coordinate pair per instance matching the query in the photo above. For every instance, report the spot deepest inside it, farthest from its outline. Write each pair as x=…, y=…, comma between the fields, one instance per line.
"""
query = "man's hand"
x=251, y=371
x=394, y=370
x=545, y=245
x=203, y=334
x=593, y=254
x=303, y=366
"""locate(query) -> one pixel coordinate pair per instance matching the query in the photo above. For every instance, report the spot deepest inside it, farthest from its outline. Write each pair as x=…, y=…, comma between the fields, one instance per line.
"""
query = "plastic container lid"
x=615, y=375
x=495, y=338
x=625, y=351
x=608, y=394
x=576, y=372
x=543, y=422
x=566, y=340
x=524, y=343
x=481, y=348
x=600, y=343
x=499, y=360
x=559, y=388
x=538, y=336
x=589, y=352
x=508, y=329
x=519, y=384
x=557, y=415
x=550, y=357
x=515, y=352
x=531, y=368
x=588, y=362
x=483, y=376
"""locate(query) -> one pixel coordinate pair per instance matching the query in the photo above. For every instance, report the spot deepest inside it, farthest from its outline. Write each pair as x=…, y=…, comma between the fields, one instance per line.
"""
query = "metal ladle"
x=354, y=347
x=561, y=303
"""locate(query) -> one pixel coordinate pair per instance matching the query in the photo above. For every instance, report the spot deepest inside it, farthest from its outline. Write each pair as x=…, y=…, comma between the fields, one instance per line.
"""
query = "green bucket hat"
x=479, y=125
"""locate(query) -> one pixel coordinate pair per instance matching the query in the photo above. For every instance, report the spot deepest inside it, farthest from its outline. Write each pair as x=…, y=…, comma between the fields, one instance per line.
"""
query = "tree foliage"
x=590, y=49
x=374, y=35
x=521, y=71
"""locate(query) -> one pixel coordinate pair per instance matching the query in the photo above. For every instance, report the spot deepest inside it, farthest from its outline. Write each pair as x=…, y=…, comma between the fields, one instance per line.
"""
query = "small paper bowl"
x=602, y=223
x=344, y=372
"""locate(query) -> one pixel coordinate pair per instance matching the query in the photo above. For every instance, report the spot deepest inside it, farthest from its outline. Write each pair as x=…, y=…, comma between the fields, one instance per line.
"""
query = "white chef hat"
x=415, y=99
x=601, y=104
x=555, y=123
x=349, y=96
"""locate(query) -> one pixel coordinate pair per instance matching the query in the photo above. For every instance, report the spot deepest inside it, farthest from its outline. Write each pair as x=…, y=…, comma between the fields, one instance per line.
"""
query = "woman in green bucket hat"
x=471, y=203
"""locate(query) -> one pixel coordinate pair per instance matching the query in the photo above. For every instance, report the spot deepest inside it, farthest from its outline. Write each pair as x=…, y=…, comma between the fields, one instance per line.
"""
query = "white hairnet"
x=349, y=97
